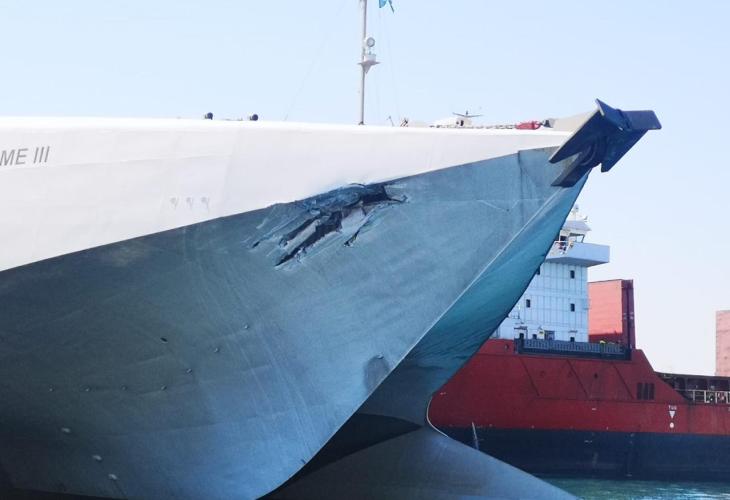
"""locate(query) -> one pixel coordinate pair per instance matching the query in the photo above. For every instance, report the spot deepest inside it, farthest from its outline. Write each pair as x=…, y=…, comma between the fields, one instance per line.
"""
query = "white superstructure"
x=555, y=304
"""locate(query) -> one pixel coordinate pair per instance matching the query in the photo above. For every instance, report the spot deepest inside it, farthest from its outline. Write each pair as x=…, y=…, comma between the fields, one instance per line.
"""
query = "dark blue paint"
x=607, y=454
x=604, y=138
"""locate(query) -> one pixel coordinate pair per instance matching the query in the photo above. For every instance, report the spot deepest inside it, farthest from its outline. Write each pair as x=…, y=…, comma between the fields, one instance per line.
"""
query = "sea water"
x=605, y=489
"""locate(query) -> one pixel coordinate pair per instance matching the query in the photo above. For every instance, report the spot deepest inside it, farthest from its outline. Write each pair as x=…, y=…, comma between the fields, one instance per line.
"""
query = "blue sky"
x=664, y=209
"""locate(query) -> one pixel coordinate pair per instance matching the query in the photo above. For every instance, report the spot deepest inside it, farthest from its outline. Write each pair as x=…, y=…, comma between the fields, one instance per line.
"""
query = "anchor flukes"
x=604, y=138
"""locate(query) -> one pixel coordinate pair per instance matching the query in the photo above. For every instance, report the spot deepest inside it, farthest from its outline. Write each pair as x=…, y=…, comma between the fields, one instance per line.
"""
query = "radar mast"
x=367, y=57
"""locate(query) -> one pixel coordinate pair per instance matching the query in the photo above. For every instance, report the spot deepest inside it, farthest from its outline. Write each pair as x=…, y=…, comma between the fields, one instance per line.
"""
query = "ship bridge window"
x=721, y=385
x=645, y=390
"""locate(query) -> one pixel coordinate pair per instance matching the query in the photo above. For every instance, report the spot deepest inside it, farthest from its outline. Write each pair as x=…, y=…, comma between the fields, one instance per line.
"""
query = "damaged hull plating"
x=256, y=335
x=391, y=423
x=149, y=350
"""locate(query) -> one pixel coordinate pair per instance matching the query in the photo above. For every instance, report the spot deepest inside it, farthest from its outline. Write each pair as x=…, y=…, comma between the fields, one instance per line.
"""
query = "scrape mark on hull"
x=347, y=209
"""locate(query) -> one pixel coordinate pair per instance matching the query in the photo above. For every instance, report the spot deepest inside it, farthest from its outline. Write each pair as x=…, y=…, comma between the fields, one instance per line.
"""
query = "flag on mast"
x=389, y=2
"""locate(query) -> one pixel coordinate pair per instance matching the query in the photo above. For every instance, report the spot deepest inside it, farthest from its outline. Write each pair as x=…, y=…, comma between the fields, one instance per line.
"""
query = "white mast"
x=367, y=58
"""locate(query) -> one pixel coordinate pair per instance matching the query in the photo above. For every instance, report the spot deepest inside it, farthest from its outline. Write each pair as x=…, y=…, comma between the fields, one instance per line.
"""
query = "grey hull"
x=215, y=360
x=388, y=450
x=399, y=462
x=419, y=464
x=478, y=311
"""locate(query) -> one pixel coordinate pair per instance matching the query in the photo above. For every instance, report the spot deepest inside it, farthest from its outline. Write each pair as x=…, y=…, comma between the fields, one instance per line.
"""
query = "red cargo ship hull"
x=550, y=410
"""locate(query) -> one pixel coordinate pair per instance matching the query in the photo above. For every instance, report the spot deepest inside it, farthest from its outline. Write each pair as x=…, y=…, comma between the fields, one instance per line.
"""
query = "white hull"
x=104, y=180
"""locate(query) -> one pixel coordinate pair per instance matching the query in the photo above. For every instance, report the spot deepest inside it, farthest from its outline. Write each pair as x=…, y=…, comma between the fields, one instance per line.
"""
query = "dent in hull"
x=198, y=363
x=481, y=307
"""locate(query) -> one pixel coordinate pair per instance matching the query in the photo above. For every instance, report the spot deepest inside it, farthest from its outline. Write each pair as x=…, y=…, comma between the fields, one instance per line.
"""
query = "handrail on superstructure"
x=570, y=348
x=561, y=246
x=706, y=396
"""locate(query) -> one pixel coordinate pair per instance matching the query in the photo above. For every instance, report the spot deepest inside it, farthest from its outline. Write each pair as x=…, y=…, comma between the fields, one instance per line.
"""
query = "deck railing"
x=706, y=396
x=590, y=349
x=561, y=247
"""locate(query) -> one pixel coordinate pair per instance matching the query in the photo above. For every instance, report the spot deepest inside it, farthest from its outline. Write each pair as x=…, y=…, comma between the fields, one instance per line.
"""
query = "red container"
x=611, y=313
x=722, y=343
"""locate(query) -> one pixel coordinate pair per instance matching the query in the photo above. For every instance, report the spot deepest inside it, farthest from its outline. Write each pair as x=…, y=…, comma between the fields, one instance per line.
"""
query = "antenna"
x=367, y=58
x=467, y=115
